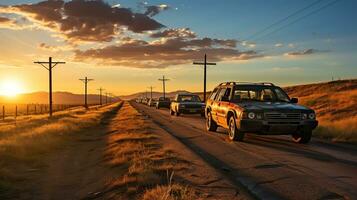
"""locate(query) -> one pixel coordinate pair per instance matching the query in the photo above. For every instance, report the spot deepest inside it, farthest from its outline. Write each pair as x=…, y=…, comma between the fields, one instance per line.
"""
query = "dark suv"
x=261, y=108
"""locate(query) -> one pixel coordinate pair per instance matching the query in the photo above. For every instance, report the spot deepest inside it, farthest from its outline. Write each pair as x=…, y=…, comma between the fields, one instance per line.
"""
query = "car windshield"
x=189, y=98
x=259, y=93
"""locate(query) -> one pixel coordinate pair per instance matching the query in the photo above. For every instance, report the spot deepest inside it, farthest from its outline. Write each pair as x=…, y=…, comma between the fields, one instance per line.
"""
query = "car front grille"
x=283, y=116
x=193, y=106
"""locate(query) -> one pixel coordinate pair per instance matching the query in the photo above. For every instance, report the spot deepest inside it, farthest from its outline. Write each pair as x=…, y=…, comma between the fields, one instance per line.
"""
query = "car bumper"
x=191, y=110
x=269, y=127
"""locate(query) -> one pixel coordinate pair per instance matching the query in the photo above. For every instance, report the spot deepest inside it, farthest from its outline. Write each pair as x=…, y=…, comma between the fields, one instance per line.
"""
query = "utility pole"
x=51, y=65
x=100, y=95
x=205, y=63
x=111, y=95
x=85, y=81
x=106, y=98
x=151, y=87
x=163, y=79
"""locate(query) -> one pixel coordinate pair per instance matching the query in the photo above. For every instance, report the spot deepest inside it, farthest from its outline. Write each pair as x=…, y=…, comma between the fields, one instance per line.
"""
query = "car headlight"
x=304, y=116
x=251, y=115
x=312, y=116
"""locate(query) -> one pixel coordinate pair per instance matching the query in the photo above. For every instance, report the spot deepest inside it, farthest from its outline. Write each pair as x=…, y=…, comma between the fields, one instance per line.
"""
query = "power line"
x=284, y=19
x=298, y=19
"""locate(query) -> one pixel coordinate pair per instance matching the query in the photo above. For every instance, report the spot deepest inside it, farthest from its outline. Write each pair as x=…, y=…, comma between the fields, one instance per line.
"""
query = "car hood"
x=272, y=106
x=192, y=103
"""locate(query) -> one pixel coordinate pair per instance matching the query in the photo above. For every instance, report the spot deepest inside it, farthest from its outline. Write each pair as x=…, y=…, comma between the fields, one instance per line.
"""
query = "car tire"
x=202, y=114
x=171, y=112
x=233, y=133
x=177, y=113
x=211, y=125
x=302, y=137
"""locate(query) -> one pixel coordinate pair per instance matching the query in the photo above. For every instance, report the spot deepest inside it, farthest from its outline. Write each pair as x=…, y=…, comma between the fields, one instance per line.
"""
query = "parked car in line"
x=187, y=104
x=163, y=103
x=152, y=102
x=261, y=108
x=145, y=101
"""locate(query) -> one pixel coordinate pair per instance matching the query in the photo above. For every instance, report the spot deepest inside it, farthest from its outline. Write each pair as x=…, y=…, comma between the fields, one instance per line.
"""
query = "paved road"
x=271, y=167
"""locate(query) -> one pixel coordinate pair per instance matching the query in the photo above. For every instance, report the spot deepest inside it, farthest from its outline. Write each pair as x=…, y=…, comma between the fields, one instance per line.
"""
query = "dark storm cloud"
x=86, y=20
x=160, y=54
x=154, y=10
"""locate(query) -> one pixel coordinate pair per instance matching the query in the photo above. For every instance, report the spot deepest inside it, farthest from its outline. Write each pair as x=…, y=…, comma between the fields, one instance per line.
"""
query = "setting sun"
x=10, y=88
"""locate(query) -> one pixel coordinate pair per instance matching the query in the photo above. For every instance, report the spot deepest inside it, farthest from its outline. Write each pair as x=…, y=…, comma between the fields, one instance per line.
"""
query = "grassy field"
x=22, y=145
x=336, y=106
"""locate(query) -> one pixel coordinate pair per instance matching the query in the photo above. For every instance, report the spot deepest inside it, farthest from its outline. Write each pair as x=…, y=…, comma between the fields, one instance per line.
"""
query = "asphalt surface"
x=269, y=167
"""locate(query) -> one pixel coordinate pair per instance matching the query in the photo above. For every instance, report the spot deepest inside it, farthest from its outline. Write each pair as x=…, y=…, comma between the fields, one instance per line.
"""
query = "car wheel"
x=202, y=114
x=302, y=137
x=211, y=125
x=177, y=113
x=171, y=112
x=233, y=133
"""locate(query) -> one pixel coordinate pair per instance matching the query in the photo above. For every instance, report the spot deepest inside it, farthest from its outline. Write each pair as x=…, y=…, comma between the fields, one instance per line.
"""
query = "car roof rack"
x=248, y=83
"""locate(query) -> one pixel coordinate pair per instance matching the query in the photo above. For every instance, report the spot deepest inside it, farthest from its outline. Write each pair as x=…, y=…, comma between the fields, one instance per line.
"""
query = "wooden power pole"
x=163, y=79
x=85, y=81
x=100, y=95
x=50, y=66
x=151, y=87
x=205, y=63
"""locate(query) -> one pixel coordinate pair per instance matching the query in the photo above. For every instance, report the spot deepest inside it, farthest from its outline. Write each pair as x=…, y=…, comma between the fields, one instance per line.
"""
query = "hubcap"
x=209, y=121
x=231, y=129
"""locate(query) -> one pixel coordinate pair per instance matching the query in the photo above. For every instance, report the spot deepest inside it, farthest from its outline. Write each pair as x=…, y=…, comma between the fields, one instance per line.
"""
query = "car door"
x=217, y=104
x=223, y=107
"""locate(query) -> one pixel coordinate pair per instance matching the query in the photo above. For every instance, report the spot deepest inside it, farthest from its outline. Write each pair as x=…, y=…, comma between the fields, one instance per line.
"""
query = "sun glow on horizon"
x=10, y=88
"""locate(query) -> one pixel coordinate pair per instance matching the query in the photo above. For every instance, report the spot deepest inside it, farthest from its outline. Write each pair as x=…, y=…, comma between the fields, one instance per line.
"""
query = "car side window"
x=221, y=93
x=214, y=93
x=267, y=95
x=228, y=93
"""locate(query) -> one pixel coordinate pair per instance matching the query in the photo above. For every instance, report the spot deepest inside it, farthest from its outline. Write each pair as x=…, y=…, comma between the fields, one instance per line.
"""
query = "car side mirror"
x=224, y=98
x=294, y=100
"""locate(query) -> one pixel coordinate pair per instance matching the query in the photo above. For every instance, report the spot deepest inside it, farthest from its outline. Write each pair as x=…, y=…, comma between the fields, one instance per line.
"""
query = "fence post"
x=27, y=109
x=3, y=112
x=15, y=112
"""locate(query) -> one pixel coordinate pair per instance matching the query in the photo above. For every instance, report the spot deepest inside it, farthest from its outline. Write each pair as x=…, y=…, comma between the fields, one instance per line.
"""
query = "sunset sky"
x=126, y=45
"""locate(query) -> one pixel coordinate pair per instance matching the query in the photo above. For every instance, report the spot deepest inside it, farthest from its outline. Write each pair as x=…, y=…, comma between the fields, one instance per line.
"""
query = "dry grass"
x=22, y=145
x=336, y=106
x=338, y=131
x=144, y=161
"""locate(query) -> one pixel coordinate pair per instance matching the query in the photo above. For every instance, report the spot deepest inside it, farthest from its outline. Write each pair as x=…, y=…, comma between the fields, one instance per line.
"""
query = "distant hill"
x=58, y=98
x=333, y=100
x=154, y=94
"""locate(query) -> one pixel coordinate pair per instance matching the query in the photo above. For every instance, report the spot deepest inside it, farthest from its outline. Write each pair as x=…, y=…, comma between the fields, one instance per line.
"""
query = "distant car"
x=152, y=102
x=187, y=104
x=145, y=101
x=261, y=108
x=163, y=103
